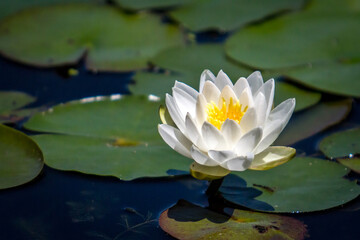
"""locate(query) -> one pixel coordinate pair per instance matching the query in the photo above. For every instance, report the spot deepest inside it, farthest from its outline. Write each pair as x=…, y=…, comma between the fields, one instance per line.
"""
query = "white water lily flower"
x=227, y=127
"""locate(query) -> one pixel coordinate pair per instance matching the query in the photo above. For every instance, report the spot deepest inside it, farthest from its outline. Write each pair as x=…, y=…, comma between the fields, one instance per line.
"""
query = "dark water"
x=64, y=205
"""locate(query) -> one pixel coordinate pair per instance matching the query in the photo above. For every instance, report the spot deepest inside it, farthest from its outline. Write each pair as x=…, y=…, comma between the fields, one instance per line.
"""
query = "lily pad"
x=297, y=40
x=10, y=7
x=311, y=185
x=341, y=144
x=314, y=120
x=187, y=221
x=352, y=163
x=227, y=15
x=21, y=159
x=334, y=78
x=136, y=5
x=109, y=39
x=116, y=137
x=11, y=102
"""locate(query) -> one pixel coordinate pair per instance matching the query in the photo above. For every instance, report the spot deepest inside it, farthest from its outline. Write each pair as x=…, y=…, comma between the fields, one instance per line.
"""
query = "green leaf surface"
x=136, y=5
x=189, y=222
x=297, y=40
x=311, y=185
x=314, y=120
x=334, y=78
x=106, y=137
x=227, y=15
x=21, y=159
x=109, y=39
x=341, y=144
x=11, y=102
x=352, y=163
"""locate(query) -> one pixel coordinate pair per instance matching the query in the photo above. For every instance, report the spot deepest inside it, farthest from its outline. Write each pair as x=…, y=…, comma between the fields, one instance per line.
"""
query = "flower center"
x=217, y=116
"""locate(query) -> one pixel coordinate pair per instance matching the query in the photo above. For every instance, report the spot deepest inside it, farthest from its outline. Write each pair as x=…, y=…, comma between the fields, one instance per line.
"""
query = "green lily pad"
x=352, y=163
x=311, y=185
x=227, y=15
x=297, y=40
x=341, y=144
x=106, y=137
x=314, y=120
x=304, y=98
x=136, y=5
x=333, y=6
x=10, y=7
x=187, y=221
x=11, y=102
x=21, y=159
x=334, y=78
x=109, y=39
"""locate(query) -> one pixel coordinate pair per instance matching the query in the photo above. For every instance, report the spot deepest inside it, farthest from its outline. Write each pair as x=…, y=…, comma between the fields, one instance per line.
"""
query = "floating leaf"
x=304, y=98
x=137, y=5
x=227, y=15
x=109, y=39
x=21, y=159
x=334, y=78
x=314, y=120
x=352, y=163
x=301, y=185
x=341, y=144
x=10, y=102
x=187, y=221
x=297, y=39
x=106, y=137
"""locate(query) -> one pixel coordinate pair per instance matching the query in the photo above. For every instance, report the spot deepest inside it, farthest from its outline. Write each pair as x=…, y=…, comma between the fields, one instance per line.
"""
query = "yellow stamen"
x=217, y=116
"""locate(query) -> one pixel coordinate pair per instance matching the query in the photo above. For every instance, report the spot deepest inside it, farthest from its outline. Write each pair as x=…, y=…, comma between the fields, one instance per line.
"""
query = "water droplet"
x=351, y=155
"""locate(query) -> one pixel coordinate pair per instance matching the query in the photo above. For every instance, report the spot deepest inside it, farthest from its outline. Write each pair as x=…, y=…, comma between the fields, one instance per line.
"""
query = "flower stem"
x=214, y=186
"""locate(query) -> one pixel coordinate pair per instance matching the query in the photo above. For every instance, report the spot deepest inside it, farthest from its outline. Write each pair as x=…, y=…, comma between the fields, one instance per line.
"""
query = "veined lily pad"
x=301, y=185
x=137, y=5
x=21, y=159
x=63, y=34
x=227, y=15
x=341, y=144
x=187, y=221
x=115, y=138
x=297, y=40
x=352, y=163
x=10, y=7
x=314, y=120
x=11, y=102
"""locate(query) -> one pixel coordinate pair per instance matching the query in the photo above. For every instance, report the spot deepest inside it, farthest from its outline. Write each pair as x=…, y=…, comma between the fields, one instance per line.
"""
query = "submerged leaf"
x=301, y=185
x=187, y=221
x=137, y=5
x=115, y=138
x=109, y=39
x=11, y=102
x=21, y=159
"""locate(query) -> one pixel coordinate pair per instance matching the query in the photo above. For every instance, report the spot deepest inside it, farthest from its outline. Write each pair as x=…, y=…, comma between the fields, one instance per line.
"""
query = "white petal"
x=249, y=120
x=193, y=133
x=221, y=156
x=239, y=163
x=189, y=90
x=175, y=139
x=200, y=109
x=246, y=98
x=184, y=101
x=248, y=142
x=226, y=94
x=211, y=92
x=213, y=137
x=205, y=76
x=283, y=111
x=268, y=89
x=255, y=81
x=240, y=85
x=231, y=132
x=222, y=80
x=270, y=134
x=272, y=157
x=260, y=105
x=174, y=112
x=201, y=158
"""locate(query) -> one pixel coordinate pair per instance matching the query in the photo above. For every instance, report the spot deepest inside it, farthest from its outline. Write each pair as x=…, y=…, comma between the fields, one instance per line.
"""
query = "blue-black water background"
x=66, y=205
